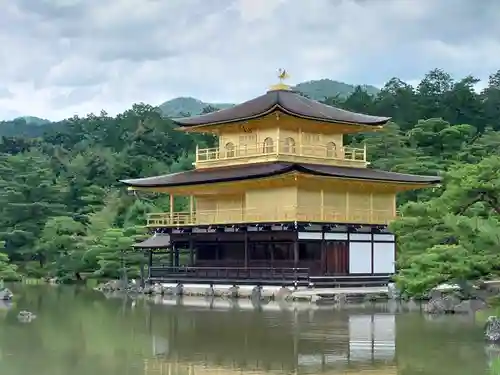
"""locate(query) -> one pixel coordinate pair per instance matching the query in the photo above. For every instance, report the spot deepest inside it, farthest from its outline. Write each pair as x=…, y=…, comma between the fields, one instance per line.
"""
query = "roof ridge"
x=288, y=101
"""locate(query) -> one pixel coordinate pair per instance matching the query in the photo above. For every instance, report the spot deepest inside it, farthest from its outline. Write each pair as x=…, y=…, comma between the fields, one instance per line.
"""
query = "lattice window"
x=331, y=150
x=268, y=145
x=289, y=145
x=230, y=153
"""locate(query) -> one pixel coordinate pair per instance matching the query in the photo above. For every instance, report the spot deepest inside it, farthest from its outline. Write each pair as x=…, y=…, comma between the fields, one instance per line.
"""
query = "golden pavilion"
x=281, y=199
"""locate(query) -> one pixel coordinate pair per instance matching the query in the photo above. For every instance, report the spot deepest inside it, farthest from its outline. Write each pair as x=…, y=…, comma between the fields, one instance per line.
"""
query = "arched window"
x=331, y=150
x=230, y=150
x=289, y=145
x=268, y=145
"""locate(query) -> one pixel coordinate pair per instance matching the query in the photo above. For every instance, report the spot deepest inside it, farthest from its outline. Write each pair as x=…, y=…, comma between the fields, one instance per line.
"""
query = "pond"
x=81, y=332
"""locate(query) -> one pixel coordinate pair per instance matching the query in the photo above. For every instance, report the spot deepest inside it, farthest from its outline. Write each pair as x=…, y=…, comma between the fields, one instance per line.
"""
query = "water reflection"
x=272, y=337
x=83, y=333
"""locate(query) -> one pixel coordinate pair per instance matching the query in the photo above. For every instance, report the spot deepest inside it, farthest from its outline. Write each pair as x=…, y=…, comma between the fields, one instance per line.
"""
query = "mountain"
x=32, y=120
x=188, y=106
x=25, y=126
x=326, y=88
x=317, y=90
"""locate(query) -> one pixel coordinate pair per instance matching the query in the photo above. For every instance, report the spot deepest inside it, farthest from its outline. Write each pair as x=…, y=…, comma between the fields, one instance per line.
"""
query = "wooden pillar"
x=191, y=250
x=394, y=211
x=296, y=252
x=191, y=209
x=150, y=262
x=270, y=248
x=171, y=209
x=176, y=257
x=171, y=255
x=323, y=252
x=372, y=251
x=246, y=249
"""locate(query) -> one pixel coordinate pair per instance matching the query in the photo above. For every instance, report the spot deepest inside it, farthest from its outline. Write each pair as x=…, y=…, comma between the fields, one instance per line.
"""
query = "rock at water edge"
x=232, y=292
x=6, y=294
x=393, y=292
x=450, y=302
x=157, y=289
x=492, y=329
x=283, y=294
x=435, y=306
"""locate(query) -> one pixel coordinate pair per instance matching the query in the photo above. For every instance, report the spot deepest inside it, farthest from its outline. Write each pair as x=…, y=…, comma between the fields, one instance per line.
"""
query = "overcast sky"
x=64, y=57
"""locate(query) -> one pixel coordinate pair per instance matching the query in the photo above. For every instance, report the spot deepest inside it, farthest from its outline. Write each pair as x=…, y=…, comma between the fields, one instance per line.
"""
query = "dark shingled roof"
x=157, y=241
x=260, y=170
x=287, y=101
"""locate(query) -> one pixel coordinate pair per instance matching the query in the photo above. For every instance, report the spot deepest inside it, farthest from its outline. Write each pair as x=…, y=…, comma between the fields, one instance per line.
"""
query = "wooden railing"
x=320, y=152
x=236, y=274
x=270, y=215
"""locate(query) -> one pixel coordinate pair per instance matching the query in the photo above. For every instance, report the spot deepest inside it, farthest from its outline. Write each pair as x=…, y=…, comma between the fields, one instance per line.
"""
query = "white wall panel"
x=336, y=236
x=383, y=257
x=360, y=237
x=310, y=236
x=383, y=238
x=360, y=257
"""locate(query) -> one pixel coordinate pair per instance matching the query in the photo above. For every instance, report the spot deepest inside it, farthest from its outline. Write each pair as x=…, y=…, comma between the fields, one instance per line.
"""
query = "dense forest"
x=64, y=214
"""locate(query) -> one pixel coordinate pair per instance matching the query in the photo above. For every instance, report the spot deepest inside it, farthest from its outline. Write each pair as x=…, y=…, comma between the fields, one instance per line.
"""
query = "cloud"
x=65, y=57
x=5, y=93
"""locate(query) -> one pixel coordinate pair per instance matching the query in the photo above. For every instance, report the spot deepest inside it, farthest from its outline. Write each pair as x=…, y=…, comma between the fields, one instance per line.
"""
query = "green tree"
x=29, y=196
x=454, y=236
x=58, y=245
x=8, y=271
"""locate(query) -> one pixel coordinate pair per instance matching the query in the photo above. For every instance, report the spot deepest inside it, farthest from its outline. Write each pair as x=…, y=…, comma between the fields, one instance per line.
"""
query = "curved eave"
x=380, y=122
x=431, y=181
x=280, y=169
x=136, y=183
x=286, y=101
x=186, y=126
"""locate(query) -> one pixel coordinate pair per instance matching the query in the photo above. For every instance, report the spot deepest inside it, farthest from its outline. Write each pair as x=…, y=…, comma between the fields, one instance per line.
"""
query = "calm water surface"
x=79, y=332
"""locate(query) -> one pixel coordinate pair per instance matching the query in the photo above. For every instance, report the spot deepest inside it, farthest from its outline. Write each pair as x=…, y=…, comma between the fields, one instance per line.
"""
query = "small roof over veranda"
x=156, y=241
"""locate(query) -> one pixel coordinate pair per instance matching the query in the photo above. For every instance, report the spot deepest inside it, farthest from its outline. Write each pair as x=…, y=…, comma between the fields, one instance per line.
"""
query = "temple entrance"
x=336, y=258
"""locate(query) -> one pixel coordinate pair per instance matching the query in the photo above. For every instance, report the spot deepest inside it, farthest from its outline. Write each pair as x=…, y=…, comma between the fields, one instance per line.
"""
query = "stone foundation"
x=253, y=292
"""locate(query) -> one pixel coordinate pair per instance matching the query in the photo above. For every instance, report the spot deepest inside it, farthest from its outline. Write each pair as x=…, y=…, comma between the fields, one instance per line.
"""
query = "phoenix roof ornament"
x=282, y=76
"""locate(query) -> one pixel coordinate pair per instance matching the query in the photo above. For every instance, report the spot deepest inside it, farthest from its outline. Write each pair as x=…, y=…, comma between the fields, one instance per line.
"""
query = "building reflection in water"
x=270, y=338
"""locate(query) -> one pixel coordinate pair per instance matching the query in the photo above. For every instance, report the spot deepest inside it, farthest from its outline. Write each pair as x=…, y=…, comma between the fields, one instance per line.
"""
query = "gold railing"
x=322, y=152
x=266, y=215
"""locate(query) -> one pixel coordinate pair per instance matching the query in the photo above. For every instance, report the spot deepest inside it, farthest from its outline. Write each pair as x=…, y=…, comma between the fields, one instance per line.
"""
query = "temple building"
x=281, y=199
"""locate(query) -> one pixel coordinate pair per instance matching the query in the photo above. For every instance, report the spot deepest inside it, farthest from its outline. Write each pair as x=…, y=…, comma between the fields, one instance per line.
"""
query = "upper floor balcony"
x=286, y=150
x=292, y=213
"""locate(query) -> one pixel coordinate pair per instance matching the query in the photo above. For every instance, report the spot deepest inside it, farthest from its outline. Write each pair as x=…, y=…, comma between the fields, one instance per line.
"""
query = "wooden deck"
x=263, y=276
